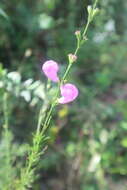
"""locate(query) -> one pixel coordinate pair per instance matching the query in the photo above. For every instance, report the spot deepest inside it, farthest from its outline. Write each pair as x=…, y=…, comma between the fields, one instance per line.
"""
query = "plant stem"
x=95, y=4
x=7, y=138
x=48, y=118
x=5, y=111
x=86, y=28
x=34, y=154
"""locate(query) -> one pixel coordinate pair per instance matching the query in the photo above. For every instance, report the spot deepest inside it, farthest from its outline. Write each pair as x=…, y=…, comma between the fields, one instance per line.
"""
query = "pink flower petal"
x=50, y=69
x=69, y=92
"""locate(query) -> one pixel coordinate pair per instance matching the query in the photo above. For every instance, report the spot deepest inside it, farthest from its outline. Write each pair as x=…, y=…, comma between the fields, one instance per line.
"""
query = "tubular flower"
x=50, y=69
x=69, y=92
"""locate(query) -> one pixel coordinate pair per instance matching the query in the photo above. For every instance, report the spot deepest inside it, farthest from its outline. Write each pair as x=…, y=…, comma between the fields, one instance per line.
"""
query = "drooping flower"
x=50, y=69
x=69, y=92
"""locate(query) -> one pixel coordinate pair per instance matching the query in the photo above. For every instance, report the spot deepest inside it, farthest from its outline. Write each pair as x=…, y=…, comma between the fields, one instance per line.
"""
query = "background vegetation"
x=88, y=145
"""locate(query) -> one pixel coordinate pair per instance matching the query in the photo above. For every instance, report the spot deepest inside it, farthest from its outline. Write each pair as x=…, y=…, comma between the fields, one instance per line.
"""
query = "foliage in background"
x=95, y=141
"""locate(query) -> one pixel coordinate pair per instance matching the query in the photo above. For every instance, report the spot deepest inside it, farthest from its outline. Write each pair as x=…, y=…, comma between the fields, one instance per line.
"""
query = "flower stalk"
x=27, y=175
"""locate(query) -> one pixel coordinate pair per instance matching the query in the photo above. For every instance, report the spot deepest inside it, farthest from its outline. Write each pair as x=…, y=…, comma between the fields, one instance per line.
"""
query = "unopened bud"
x=95, y=12
x=89, y=9
x=72, y=58
x=77, y=33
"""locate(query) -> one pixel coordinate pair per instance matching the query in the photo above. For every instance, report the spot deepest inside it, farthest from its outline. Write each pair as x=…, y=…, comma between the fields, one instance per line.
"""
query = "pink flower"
x=50, y=69
x=69, y=92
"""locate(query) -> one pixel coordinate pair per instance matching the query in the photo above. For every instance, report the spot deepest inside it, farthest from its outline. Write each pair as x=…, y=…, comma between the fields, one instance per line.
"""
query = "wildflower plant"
x=65, y=93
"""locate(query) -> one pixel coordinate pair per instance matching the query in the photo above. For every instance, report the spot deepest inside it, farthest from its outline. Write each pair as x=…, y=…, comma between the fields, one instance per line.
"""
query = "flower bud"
x=95, y=12
x=89, y=9
x=77, y=33
x=72, y=58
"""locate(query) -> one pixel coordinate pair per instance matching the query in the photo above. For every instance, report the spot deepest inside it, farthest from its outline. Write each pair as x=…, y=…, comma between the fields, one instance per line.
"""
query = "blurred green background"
x=88, y=145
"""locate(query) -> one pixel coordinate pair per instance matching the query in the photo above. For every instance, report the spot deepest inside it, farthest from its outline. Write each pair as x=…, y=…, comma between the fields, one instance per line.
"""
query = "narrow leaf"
x=2, y=13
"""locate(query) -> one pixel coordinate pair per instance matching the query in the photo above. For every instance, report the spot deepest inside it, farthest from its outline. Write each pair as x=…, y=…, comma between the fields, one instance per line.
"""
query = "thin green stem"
x=89, y=20
x=34, y=154
x=39, y=121
x=5, y=111
x=78, y=46
x=41, y=116
x=7, y=138
x=66, y=73
x=48, y=118
x=86, y=28
x=95, y=4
